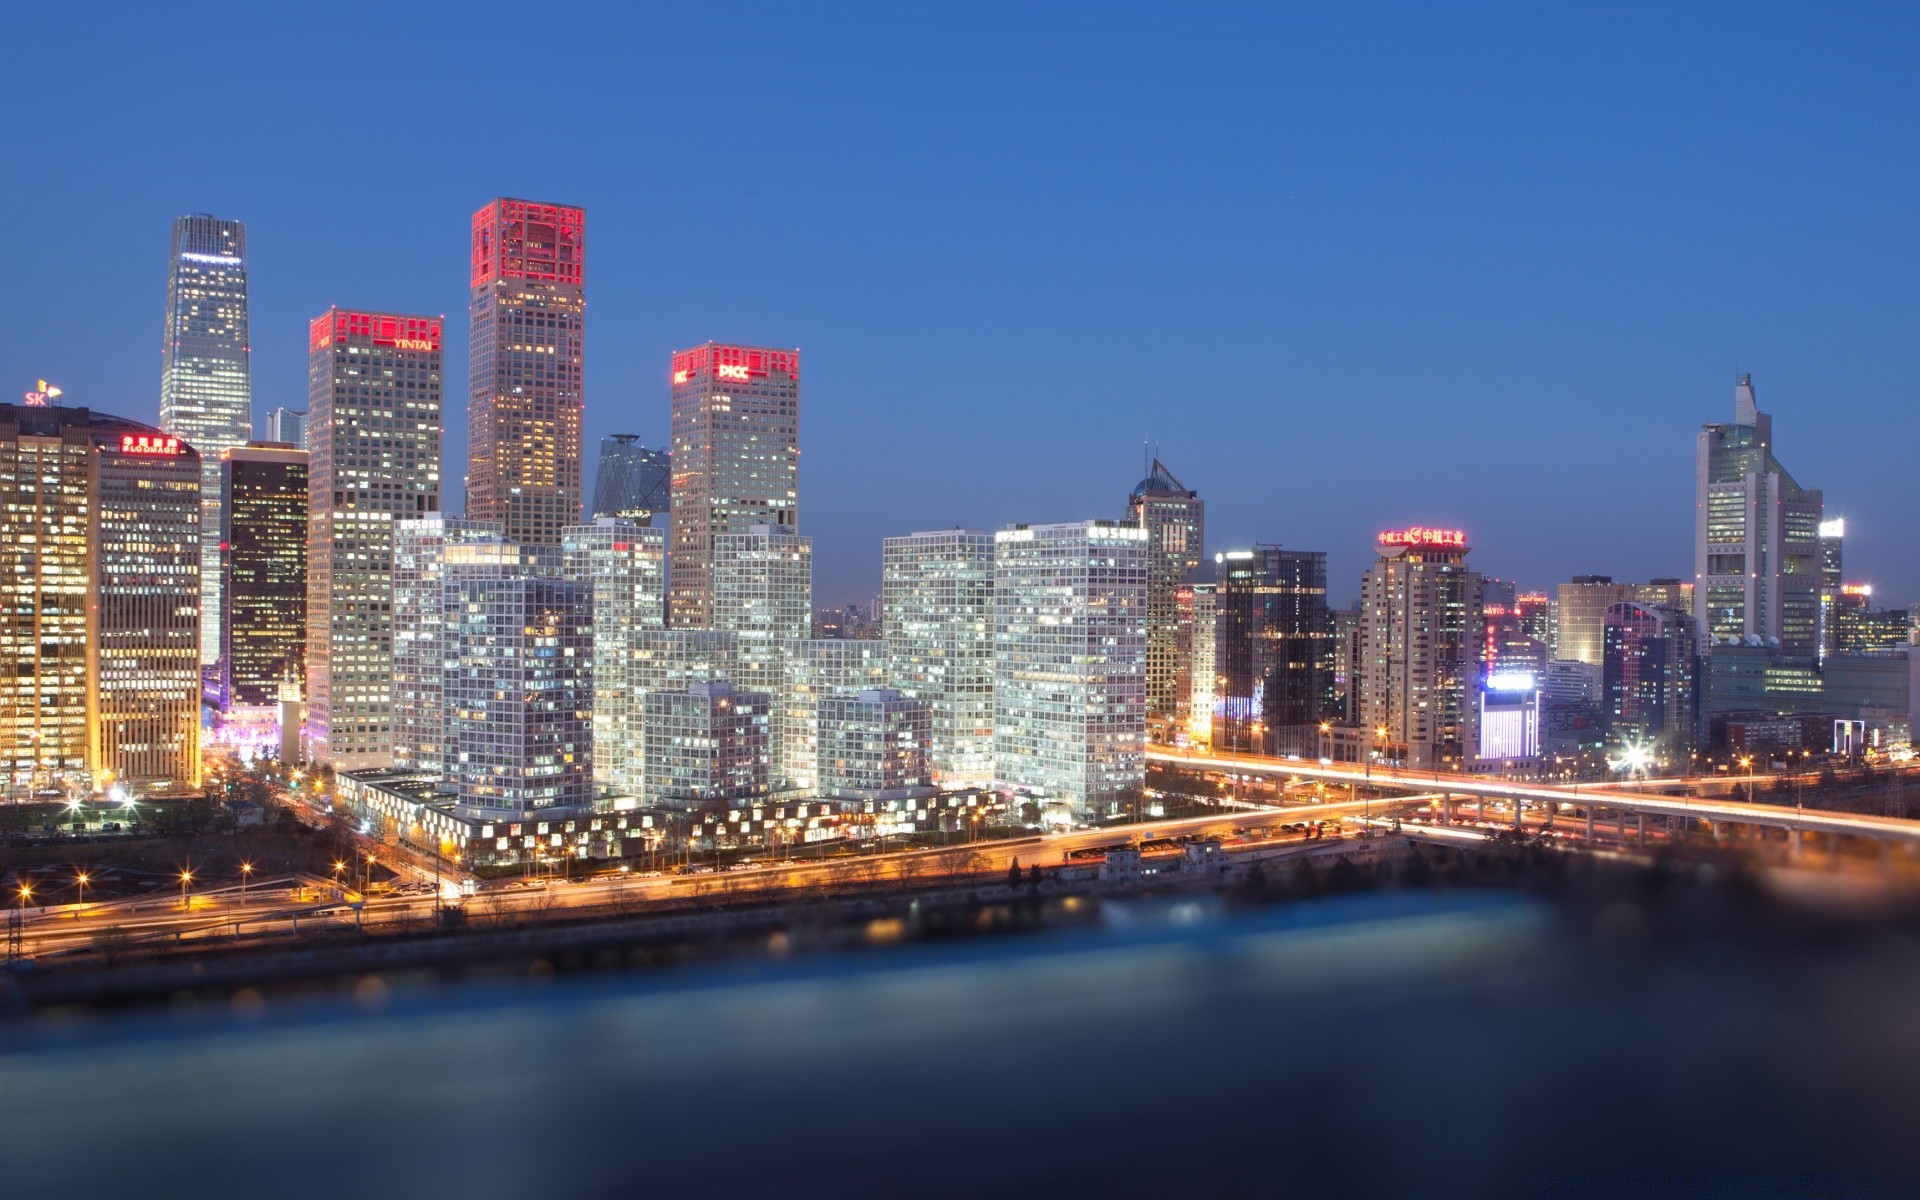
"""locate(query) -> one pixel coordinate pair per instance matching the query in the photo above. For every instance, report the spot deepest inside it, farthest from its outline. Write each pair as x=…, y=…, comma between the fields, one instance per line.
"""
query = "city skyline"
x=1445, y=329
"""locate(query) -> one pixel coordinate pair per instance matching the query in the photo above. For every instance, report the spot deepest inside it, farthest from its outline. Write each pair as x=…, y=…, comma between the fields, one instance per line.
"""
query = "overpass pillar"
x=1446, y=810
x=1482, y=802
x=1516, y=812
x=1793, y=844
x=1589, y=824
x=1552, y=807
x=1640, y=831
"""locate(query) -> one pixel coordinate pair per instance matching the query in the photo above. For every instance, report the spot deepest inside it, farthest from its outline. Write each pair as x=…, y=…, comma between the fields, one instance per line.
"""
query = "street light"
x=186, y=877
x=80, y=882
x=246, y=873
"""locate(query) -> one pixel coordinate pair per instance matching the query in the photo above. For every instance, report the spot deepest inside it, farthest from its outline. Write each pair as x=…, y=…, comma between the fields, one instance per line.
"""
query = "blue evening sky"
x=1349, y=265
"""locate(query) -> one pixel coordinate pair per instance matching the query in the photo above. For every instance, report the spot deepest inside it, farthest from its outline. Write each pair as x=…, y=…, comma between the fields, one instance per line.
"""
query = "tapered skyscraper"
x=206, y=397
x=736, y=461
x=525, y=398
x=1174, y=517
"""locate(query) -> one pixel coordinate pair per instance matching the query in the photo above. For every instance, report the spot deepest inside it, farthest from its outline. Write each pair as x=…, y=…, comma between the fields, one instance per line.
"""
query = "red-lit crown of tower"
x=379, y=329
x=540, y=243
x=734, y=364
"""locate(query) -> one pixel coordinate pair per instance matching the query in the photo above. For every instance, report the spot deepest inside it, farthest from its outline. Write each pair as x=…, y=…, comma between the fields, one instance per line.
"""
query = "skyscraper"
x=1420, y=641
x=625, y=563
x=736, y=460
x=526, y=398
x=632, y=481
x=1273, y=650
x=873, y=745
x=422, y=550
x=1174, y=517
x=263, y=552
x=937, y=592
x=206, y=395
x=1580, y=610
x=763, y=594
x=1833, y=536
x=519, y=691
x=707, y=746
x=816, y=669
x=373, y=395
x=1648, y=681
x=1756, y=542
x=1203, y=671
x=99, y=600
x=1070, y=663
x=288, y=425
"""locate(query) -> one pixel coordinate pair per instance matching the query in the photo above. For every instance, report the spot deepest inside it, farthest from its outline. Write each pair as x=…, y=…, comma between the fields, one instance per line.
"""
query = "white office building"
x=763, y=594
x=1070, y=664
x=815, y=669
x=625, y=564
x=419, y=632
x=874, y=745
x=937, y=594
x=707, y=746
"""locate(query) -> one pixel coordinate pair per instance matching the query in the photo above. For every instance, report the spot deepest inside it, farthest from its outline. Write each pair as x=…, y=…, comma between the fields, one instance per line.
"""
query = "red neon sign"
x=1419, y=536
x=381, y=329
x=520, y=239
x=150, y=445
x=734, y=364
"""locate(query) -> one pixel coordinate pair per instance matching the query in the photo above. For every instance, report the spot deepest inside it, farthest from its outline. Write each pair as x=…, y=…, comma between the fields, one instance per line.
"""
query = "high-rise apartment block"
x=373, y=436
x=519, y=692
x=1070, y=663
x=632, y=481
x=1272, y=650
x=1649, y=680
x=1756, y=554
x=874, y=745
x=763, y=594
x=625, y=563
x=1420, y=629
x=525, y=374
x=100, y=574
x=937, y=592
x=707, y=746
x=736, y=461
x=814, y=670
x=263, y=556
x=206, y=393
x=1174, y=517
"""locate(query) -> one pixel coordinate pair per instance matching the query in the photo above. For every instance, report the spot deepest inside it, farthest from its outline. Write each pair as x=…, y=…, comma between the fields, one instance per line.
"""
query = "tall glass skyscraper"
x=632, y=481
x=525, y=399
x=1174, y=517
x=937, y=593
x=1756, y=539
x=206, y=394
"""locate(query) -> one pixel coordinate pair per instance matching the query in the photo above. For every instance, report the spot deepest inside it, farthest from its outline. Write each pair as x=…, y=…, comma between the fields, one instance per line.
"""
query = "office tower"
x=815, y=669
x=263, y=555
x=707, y=746
x=1070, y=664
x=874, y=745
x=1832, y=536
x=1420, y=635
x=519, y=692
x=1648, y=682
x=625, y=563
x=525, y=383
x=1756, y=543
x=1580, y=610
x=632, y=481
x=1859, y=628
x=1174, y=517
x=1272, y=645
x=937, y=592
x=421, y=649
x=1512, y=622
x=763, y=593
x=1508, y=727
x=736, y=461
x=1203, y=671
x=1344, y=624
x=288, y=426
x=99, y=601
x=206, y=394
x=373, y=437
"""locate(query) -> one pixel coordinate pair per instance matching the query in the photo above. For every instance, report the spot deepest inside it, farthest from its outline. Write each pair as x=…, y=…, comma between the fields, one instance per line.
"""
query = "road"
x=1779, y=816
x=77, y=927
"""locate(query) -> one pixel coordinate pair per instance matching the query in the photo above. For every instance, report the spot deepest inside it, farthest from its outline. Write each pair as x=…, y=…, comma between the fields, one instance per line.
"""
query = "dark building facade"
x=1273, y=650
x=263, y=571
x=1649, y=682
x=632, y=481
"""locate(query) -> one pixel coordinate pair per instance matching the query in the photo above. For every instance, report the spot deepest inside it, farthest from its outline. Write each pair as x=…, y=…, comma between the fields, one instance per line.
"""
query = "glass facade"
x=422, y=551
x=206, y=393
x=1174, y=517
x=263, y=558
x=632, y=481
x=1648, y=681
x=624, y=563
x=525, y=369
x=1420, y=642
x=763, y=594
x=1070, y=663
x=707, y=746
x=937, y=594
x=816, y=669
x=1273, y=650
x=874, y=744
